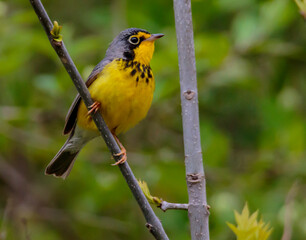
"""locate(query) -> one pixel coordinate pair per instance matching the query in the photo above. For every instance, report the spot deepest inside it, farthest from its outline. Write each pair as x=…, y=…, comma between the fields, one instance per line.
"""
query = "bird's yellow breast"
x=125, y=92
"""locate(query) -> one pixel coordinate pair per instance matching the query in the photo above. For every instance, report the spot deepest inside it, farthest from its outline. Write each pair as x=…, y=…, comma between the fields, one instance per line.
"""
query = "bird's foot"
x=123, y=157
x=94, y=107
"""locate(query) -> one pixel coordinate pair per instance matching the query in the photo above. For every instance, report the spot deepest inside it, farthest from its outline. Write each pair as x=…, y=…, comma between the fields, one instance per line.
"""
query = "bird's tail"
x=62, y=163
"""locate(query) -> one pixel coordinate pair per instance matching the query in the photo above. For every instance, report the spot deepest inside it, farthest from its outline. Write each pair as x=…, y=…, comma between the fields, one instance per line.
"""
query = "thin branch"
x=287, y=234
x=177, y=206
x=26, y=231
x=153, y=222
x=196, y=183
x=6, y=216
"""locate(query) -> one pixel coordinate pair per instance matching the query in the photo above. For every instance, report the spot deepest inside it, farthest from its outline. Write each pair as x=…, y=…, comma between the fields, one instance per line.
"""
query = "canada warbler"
x=121, y=86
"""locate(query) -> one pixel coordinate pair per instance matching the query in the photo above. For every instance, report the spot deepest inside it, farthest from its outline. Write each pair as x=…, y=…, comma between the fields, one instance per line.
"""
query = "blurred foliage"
x=251, y=80
x=248, y=228
x=302, y=6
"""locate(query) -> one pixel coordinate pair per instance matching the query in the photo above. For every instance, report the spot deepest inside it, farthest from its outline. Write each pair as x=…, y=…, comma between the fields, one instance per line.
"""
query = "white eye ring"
x=134, y=40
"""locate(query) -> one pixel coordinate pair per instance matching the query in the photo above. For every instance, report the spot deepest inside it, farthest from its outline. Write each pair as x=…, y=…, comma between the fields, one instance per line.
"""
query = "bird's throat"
x=144, y=53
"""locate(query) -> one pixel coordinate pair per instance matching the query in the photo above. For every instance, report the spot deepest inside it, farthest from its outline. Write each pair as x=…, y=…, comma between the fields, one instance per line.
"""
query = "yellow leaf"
x=233, y=227
x=248, y=228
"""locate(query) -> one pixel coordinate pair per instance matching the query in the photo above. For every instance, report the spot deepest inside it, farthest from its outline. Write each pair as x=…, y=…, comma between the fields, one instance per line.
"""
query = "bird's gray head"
x=133, y=44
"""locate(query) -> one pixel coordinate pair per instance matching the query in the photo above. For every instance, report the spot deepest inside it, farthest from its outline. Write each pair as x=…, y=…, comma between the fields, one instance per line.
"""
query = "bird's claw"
x=94, y=107
x=122, y=159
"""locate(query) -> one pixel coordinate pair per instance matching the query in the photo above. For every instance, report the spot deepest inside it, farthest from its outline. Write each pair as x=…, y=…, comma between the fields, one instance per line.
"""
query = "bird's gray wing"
x=71, y=116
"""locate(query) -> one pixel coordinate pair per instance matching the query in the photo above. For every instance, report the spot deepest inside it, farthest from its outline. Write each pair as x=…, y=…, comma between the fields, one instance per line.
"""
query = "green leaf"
x=145, y=189
x=55, y=32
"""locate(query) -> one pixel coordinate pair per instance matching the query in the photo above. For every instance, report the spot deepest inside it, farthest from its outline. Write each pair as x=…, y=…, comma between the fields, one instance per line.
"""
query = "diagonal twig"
x=153, y=223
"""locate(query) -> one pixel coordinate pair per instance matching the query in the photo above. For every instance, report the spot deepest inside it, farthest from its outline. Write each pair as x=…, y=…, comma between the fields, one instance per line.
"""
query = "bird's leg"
x=94, y=107
x=122, y=153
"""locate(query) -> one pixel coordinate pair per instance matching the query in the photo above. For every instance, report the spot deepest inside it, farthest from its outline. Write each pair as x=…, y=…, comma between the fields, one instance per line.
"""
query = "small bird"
x=121, y=86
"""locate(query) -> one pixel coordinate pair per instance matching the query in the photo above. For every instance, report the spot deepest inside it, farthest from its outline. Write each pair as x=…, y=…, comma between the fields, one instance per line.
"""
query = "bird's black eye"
x=134, y=40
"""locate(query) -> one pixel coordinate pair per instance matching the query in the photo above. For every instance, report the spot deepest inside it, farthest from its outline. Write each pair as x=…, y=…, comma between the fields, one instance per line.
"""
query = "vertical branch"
x=197, y=210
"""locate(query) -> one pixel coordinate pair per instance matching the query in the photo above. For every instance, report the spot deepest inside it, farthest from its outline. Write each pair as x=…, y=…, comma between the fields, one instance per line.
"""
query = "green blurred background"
x=251, y=63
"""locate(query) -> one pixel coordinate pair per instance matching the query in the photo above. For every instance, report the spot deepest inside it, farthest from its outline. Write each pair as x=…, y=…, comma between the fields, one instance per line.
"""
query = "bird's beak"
x=153, y=37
